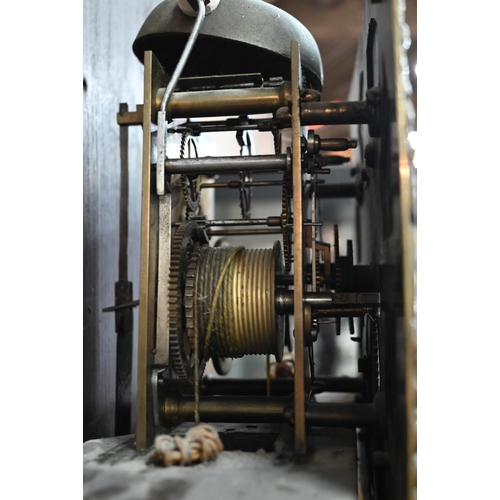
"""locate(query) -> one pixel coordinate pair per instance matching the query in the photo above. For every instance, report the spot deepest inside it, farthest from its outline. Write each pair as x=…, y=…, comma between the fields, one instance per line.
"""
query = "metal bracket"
x=131, y=117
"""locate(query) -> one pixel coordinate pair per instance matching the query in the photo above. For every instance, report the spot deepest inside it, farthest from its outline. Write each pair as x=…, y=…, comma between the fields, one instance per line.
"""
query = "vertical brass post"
x=408, y=237
x=298, y=263
x=148, y=269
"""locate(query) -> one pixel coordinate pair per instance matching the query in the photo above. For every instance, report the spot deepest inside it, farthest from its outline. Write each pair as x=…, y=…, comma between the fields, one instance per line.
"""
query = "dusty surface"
x=112, y=469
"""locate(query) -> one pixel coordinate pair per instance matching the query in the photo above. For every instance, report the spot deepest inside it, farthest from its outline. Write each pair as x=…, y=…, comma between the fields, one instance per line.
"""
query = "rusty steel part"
x=228, y=43
x=148, y=266
x=230, y=303
x=184, y=243
x=298, y=247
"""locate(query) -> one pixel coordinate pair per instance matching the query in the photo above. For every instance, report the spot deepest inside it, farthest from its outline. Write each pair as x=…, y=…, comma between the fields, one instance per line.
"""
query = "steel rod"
x=342, y=312
x=231, y=124
x=177, y=409
x=272, y=409
x=243, y=232
x=279, y=386
x=167, y=93
x=269, y=163
x=335, y=144
x=269, y=221
x=330, y=113
x=237, y=222
x=341, y=415
x=326, y=301
x=239, y=184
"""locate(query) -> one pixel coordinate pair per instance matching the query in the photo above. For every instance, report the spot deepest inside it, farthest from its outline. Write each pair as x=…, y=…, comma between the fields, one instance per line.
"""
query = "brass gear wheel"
x=188, y=237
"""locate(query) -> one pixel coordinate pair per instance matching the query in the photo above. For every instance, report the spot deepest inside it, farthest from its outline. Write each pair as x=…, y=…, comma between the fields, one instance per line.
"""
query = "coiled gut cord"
x=200, y=444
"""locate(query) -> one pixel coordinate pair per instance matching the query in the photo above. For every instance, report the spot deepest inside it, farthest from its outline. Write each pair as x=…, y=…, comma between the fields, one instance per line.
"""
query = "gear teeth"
x=189, y=298
x=192, y=205
x=285, y=219
x=179, y=341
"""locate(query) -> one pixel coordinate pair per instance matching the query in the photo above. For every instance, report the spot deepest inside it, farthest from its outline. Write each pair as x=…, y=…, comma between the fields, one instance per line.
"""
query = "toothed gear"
x=286, y=209
x=190, y=185
x=190, y=301
x=286, y=220
x=187, y=237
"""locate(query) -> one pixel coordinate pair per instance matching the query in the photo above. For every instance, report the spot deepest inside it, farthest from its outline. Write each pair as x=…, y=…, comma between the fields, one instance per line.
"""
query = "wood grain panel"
x=111, y=74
